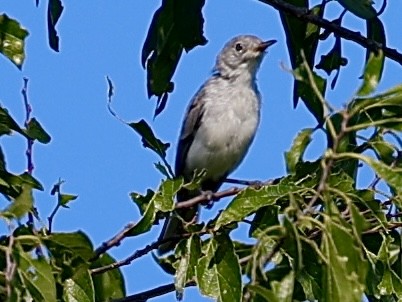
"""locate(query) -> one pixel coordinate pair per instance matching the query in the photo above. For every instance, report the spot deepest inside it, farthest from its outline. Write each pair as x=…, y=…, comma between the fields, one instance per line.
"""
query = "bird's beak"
x=264, y=45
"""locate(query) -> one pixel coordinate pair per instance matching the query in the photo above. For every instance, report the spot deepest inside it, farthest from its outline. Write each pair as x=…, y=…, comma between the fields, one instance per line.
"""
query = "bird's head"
x=241, y=57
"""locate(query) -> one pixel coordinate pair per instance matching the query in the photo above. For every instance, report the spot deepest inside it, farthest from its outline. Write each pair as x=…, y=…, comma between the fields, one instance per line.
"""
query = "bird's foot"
x=209, y=196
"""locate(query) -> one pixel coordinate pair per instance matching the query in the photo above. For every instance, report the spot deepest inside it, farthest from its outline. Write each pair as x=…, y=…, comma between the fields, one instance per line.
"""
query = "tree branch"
x=306, y=15
x=152, y=293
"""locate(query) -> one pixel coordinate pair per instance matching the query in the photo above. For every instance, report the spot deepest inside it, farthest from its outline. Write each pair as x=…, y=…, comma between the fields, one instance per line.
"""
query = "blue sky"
x=101, y=159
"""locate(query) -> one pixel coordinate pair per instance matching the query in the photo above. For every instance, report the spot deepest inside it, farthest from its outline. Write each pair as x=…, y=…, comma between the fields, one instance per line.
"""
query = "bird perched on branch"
x=219, y=125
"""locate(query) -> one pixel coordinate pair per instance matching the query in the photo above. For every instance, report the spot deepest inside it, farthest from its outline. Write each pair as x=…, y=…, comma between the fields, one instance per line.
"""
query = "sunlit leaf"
x=79, y=287
x=295, y=154
x=12, y=40
x=188, y=253
x=218, y=270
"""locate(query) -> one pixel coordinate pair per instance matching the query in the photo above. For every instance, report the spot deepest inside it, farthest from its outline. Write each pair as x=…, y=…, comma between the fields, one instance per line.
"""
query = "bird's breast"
x=228, y=127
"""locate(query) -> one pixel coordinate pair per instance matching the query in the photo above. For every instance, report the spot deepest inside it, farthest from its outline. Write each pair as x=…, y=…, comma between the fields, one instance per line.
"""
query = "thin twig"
x=28, y=110
x=114, y=241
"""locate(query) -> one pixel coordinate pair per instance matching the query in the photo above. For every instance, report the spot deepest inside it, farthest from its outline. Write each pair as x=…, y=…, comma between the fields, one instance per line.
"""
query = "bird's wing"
x=189, y=129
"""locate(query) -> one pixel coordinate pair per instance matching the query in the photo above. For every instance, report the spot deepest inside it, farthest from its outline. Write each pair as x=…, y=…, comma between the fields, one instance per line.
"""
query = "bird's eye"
x=238, y=47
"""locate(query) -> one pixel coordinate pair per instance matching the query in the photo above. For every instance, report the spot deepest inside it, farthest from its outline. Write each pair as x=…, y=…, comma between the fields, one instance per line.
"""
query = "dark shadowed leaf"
x=264, y=218
x=176, y=26
x=148, y=138
x=54, y=11
x=12, y=40
x=263, y=292
x=333, y=60
x=301, y=36
x=308, y=94
x=360, y=8
x=218, y=270
x=36, y=131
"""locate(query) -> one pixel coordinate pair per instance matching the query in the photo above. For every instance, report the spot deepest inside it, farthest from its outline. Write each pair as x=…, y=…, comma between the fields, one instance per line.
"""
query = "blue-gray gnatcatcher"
x=219, y=126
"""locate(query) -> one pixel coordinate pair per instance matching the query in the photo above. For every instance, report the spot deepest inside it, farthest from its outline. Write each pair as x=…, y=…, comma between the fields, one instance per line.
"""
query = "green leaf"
x=360, y=8
x=146, y=221
x=36, y=131
x=31, y=181
x=176, y=25
x=75, y=244
x=264, y=218
x=110, y=284
x=374, y=66
x=12, y=40
x=295, y=154
x=283, y=290
x=21, y=205
x=7, y=123
x=250, y=200
x=372, y=73
x=263, y=292
x=162, y=200
x=384, y=150
x=345, y=271
x=218, y=270
x=301, y=36
x=308, y=94
x=148, y=138
x=64, y=199
x=393, y=176
x=37, y=277
x=79, y=287
x=188, y=253
x=391, y=98
x=54, y=11
x=142, y=201
x=164, y=197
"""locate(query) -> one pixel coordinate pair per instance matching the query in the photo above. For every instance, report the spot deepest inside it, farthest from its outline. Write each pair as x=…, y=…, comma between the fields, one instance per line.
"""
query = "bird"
x=219, y=126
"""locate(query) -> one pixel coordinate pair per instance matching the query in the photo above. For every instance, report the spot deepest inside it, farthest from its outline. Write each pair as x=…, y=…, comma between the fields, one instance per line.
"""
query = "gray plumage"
x=220, y=124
